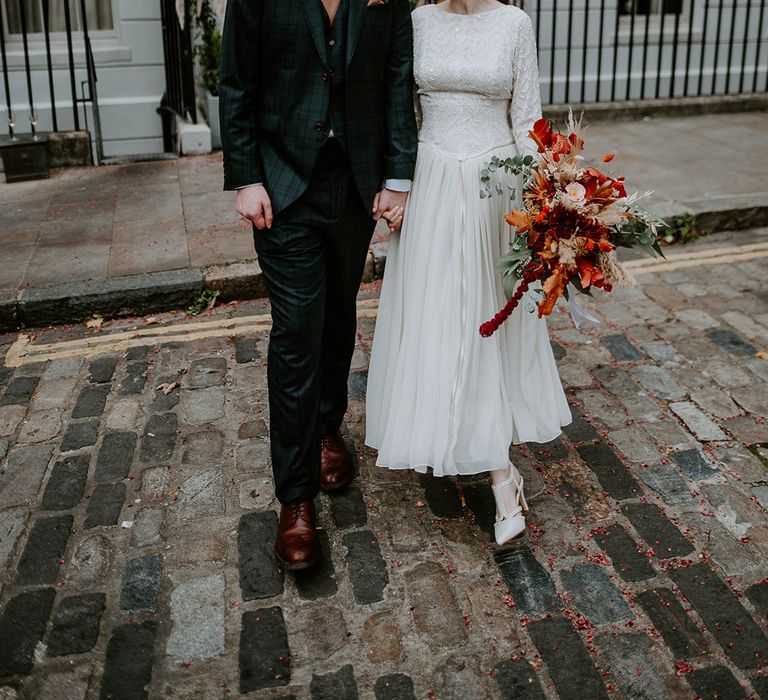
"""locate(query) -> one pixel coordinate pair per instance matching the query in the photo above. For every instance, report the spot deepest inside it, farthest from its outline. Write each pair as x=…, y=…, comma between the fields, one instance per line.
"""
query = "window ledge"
x=103, y=53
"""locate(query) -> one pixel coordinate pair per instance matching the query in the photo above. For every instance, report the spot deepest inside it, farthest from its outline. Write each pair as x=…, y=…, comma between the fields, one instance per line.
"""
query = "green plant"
x=204, y=301
x=681, y=230
x=208, y=49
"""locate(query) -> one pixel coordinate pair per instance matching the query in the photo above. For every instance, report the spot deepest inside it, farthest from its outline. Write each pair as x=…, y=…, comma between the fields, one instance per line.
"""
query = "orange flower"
x=553, y=288
x=608, y=157
x=520, y=219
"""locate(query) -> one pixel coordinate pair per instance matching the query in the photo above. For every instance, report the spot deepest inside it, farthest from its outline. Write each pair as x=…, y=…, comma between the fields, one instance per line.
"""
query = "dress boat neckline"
x=471, y=14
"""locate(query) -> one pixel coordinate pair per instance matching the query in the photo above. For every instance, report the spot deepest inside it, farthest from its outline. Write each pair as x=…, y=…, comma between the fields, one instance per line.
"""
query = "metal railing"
x=617, y=50
x=180, y=96
x=20, y=95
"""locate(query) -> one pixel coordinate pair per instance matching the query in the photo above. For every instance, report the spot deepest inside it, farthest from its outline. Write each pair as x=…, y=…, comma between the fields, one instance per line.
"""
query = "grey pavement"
x=137, y=517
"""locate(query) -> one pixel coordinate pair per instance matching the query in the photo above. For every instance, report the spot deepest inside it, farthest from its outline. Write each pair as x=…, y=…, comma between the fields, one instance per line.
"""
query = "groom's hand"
x=253, y=204
x=389, y=201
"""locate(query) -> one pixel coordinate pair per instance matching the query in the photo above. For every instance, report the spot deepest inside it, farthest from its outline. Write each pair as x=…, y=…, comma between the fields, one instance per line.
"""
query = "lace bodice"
x=477, y=79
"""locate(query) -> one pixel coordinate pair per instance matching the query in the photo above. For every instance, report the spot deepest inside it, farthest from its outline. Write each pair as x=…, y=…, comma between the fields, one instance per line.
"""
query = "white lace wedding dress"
x=440, y=395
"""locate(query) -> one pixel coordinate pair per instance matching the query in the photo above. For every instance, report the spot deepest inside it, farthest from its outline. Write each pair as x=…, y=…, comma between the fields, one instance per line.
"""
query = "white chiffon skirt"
x=440, y=395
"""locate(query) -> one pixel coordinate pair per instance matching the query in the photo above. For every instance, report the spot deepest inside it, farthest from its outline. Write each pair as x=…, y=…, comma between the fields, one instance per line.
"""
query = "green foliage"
x=208, y=49
x=205, y=300
x=515, y=165
x=682, y=230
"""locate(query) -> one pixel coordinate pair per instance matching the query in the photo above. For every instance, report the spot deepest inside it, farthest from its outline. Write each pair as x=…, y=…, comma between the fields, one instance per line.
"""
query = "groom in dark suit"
x=319, y=141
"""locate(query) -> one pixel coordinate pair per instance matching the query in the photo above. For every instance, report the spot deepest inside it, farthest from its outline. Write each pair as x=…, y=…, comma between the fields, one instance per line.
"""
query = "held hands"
x=390, y=206
x=253, y=204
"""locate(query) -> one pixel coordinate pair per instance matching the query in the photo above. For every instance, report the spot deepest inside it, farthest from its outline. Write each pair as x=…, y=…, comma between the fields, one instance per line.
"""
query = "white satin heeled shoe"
x=509, y=524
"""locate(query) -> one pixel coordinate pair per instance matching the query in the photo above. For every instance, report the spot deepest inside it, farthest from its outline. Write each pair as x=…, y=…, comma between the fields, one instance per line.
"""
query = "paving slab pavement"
x=74, y=244
x=137, y=517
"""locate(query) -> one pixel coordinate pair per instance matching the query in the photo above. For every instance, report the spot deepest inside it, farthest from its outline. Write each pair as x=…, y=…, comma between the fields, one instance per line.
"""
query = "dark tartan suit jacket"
x=274, y=100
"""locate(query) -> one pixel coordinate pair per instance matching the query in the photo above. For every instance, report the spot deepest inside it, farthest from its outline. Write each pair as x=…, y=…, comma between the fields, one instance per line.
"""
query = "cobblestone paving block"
x=40, y=426
x=635, y=444
x=123, y=414
x=135, y=379
x=693, y=464
x=246, y=349
x=758, y=594
x=357, y=385
x=716, y=403
x=65, y=367
x=203, y=447
x=44, y=551
x=91, y=402
x=209, y=548
x=394, y=686
x=162, y=401
x=436, y=614
x=760, y=684
x=12, y=524
x=79, y=435
x=624, y=554
x=159, y=438
x=105, y=505
x=260, y=576
x=621, y=348
x=739, y=635
x=348, y=508
x=71, y=684
x=746, y=429
x=257, y=494
x=731, y=342
x=252, y=429
x=206, y=372
x=265, y=660
x=76, y=624
x=382, y=638
x=517, y=679
x=91, y=562
x=318, y=581
x=321, y=628
x=102, y=369
x=674, y=624
x=67, y=483
x=202, y=496
x=441, y=496
x=459, y=672
x=715, y=683
x=141, y=584
x=580, y=430
x=340, y=685
x=658, y=382
x=599, y=403
x=128, y=662
x=665, y=480
x=202, y=406
x=115, y=456
x=154, y=482
x=732, y=556
x=24, y=471
x=197, y=614
x=610, y=471
x=657, y=530
x=19, y=391
x=366, y=567
x=10, y=417
x=696, y=318
x=701, y=425
x=147, y=527
x=137, y=352
x=594, y=595
x=568, y=661
x=553, y=451
x=51, y=394
x=22, y=626
x=636, y=669
x=558, y=350
x=752, y=401
x=528, y=581
x=669, y=434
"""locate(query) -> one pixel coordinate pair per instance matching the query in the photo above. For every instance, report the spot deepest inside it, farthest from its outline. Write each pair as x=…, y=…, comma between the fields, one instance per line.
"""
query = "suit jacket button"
x=326, y=75
x=319, y=127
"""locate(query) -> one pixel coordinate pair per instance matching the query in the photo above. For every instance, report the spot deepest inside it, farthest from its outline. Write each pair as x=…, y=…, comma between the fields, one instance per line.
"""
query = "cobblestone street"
x=137, y=517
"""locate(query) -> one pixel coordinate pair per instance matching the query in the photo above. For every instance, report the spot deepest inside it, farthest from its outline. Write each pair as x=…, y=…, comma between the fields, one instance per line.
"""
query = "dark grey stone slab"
x=739, y=635
x=163, y=402
x=105, y=505
x=22, y=627
x=622, y=549
x=528, y=581
x=260, y=576
x=128, y=662
x=265, y=660
x=568, y=661
x=731, y=342
x=716, y=683
x=664, y=479
x=558, y=350
x=135, y=378
x=102, y=369
x=758, y=594
x=115, y=456
x=46, y=544
x=594, y=594
x=517, y=680
x=349, y=508
x=357, y=385
x=674, y=624
x=657, y=530
x=580, y=430
x=76, y=624
x=141, y=584
x=367, y=568
x=340, y=685
x=621, y=348
x=90, y=402
x=206, y=372
x=19, y=391
x=319, y=581
x=441, y=496
x=67, y=482
x=81, y=434
x=394, y=686
x=611, y=472
x=693, y=464
x=246, y=350
x=552, y=451
x=159, y=437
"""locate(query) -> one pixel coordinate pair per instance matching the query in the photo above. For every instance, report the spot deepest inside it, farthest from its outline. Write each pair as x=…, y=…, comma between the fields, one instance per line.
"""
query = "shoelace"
x=297, y=510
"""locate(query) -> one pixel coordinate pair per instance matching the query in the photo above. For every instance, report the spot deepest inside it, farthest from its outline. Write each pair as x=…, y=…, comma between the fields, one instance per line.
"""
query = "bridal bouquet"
x=572, y=221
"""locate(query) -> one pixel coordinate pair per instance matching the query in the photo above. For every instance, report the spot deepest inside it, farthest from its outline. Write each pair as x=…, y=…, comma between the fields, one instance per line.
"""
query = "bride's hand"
x=390, y=205
x=394, y=218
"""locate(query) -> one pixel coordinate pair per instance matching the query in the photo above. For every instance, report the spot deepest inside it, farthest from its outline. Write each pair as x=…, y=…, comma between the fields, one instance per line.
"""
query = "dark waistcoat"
x=336, y=47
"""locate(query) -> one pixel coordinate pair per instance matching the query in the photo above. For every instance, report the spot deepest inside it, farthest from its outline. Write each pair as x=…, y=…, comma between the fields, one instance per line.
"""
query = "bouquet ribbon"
x=579, y=313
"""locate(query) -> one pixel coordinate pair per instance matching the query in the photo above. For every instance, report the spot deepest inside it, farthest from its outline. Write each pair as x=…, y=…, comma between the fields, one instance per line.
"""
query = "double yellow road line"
x=711, y=256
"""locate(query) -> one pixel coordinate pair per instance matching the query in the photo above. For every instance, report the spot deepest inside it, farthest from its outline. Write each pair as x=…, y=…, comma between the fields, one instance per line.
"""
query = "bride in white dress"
x=439, y=395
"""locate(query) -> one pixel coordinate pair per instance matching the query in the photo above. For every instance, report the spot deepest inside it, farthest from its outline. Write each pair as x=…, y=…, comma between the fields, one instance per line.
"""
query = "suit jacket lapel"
x=312, y=13
x=357, y=10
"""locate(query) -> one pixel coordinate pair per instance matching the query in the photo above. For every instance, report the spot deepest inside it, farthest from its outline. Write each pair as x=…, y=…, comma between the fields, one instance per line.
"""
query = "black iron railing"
x=616, y=50
x=24, y=26
x=180, y=97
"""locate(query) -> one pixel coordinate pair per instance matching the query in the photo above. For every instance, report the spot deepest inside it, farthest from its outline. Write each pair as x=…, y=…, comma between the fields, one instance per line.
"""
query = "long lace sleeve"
x=526, y=96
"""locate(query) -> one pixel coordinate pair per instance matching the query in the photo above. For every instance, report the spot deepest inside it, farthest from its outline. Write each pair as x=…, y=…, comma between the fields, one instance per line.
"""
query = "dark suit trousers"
x=312, y=260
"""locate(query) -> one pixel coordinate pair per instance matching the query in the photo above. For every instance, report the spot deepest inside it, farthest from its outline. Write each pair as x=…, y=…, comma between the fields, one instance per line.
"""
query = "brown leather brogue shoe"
x=297, y=546
x=336, y=467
